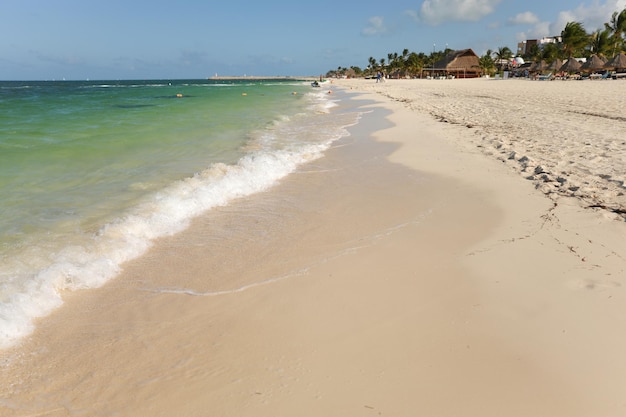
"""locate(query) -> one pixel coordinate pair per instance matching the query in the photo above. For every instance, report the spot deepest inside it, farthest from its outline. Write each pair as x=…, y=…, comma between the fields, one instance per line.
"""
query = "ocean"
x=92, y=172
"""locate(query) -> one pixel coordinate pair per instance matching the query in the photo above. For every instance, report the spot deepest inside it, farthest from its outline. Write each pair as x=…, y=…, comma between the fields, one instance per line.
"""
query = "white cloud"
x=538, y=31
x=542, y=29
x=435, y=12
x=592, y=17
x=526, y=18
x=376, y=26
x=559, y=24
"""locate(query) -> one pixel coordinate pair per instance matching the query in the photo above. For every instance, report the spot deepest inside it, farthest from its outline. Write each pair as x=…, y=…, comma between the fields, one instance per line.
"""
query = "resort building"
x=524, y=46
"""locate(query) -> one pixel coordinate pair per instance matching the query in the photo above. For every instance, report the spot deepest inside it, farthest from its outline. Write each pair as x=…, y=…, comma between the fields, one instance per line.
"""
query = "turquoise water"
x=92, y=172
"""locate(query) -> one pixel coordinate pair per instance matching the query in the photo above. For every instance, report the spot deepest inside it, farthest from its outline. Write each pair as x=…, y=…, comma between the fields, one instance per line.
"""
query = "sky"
x=195, y=39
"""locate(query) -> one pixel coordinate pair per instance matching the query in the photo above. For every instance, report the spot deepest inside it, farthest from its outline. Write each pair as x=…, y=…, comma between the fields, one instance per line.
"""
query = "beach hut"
x=399, y=73
x=594, y=63
x=538, y=66
x=459, y=64
x=555, y=65
x=571, y=65
x=617, y=63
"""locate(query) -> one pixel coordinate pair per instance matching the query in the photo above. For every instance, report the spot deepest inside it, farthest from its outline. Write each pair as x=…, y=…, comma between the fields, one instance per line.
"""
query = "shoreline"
x=407, y=274
x=260, y=77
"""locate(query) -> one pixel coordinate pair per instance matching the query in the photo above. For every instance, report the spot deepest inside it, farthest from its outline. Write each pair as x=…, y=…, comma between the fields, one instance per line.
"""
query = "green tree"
x=416, y=62
x=405, y=56
x=617, y=27
x=357, y=71
x=394, y=61
x=574, y=39
x=503, y=55
x=434, y=57
x=601, y=42
x=487, y=64
x=550, y=52
x=372, y=65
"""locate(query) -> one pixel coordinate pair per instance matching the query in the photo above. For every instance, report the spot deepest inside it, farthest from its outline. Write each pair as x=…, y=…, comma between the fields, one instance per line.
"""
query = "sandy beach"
x=461, y=253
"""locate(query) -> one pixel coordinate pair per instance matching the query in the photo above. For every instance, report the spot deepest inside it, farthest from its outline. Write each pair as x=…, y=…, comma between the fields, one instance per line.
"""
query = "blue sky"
x=137, y=39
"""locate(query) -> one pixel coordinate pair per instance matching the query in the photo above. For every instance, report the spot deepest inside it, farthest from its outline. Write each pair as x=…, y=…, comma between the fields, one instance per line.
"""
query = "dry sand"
x=418, y=274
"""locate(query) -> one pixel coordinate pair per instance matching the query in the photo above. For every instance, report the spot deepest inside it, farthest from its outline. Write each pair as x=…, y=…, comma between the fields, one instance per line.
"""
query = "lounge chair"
x=548, y=76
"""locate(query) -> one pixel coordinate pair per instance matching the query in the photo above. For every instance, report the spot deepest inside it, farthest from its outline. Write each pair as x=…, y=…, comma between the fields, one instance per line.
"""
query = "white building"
x=524, y=47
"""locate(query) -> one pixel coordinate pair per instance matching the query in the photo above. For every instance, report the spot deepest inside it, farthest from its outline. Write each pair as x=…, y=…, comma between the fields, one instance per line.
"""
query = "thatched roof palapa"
x=618, y=62
x=571, y=65
x=594, y=63
x=462, y=64
x=555, y=65
x=539, y=66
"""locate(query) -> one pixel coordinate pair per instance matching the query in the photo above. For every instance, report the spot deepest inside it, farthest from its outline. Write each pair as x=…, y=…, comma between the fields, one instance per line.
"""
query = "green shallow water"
x=67, y=146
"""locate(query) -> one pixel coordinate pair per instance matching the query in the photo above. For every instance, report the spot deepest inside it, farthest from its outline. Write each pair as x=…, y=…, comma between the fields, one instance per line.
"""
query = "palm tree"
x=550, y=52
x=382, y=63
x=371, y=65
x=487, y=64
x=405, y=54
x=503, y=54
x=392, y=61
x=357, y=71
x=574, y=38
x=601, y=43
x=617, y=26
x=416, y=62
x=435, y=56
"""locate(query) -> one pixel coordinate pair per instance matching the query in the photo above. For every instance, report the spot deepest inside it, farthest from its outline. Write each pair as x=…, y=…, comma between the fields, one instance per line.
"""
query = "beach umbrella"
x=571, y=65
x=594, y=63
x=555, y=65
x=618, y=62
